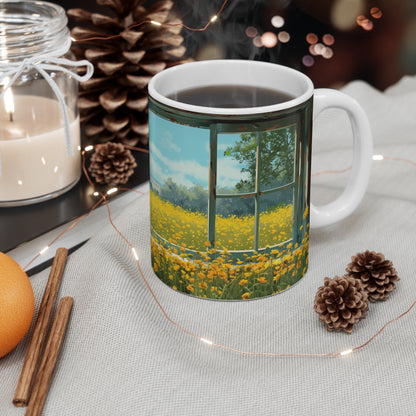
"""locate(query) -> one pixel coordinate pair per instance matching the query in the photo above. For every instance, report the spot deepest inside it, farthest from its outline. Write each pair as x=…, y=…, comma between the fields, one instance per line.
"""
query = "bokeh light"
x=328, y=53
x=308, y=60
x=210, y=51
x=269, y=39
x=344, y=12
x=364, y=22
x=409, y=47
x=319, y=48
x=283, y=36
x=376, y=13
x=278, y=21
x=251, y=31
x=311, y=38
x=328, y=39
x=312, y=50
x=367, y=25
x=360, y=20
x=257, y=41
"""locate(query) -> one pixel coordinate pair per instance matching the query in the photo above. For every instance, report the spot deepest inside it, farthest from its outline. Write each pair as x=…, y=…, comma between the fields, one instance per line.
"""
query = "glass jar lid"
x=31, y=28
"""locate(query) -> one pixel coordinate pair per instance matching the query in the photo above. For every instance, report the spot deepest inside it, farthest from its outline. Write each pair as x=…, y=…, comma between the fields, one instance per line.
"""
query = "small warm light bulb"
x=111, y=191
x=135, y=254
x=44, y=250
x=378, y=157
x=88, y=148
x=73, y=39
x=346, y=352
x=214, y=18
x=96, y=193
x=156, y=23
x=207, y=341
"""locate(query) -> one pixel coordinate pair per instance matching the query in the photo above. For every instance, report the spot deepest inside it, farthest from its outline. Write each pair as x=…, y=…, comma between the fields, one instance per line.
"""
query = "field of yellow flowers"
x=183, y=259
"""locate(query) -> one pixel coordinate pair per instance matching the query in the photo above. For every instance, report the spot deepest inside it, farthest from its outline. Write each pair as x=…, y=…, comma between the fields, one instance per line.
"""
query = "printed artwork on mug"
x=223, y=222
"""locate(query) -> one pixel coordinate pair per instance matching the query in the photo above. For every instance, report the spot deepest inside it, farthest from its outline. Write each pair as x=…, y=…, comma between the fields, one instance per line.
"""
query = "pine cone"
x=113, y=103
x=112, y=164
x=375, y=272
x=341, y=303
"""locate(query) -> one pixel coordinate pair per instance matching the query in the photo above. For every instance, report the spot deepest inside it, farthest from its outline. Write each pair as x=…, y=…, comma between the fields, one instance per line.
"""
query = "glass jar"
x=40, y=150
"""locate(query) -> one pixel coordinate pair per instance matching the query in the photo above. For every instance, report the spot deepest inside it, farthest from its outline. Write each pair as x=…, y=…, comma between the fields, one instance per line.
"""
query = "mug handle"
x=346, y=203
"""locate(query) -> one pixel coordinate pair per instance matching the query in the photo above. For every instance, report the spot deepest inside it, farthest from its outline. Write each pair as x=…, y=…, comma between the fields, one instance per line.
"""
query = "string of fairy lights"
x=104, y=200
x=160, y=24
x=317, y=46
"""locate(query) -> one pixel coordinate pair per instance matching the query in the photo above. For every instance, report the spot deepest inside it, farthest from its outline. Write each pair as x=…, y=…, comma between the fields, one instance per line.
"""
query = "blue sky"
x=182, y=153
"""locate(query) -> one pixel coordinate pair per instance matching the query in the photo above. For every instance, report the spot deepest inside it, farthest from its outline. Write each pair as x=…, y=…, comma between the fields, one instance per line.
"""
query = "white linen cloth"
x=122, y=357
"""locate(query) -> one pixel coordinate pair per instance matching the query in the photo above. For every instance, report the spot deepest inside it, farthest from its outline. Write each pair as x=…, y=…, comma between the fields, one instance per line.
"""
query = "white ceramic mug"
x=230, y=187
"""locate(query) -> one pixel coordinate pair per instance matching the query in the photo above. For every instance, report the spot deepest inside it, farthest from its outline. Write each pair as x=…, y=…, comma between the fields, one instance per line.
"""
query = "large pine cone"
x=113, y=103
x=375, y=272
x=341, y=303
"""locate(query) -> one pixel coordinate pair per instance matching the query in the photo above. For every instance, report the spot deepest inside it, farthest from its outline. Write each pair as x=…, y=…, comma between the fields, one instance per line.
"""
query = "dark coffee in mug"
x=230, y=96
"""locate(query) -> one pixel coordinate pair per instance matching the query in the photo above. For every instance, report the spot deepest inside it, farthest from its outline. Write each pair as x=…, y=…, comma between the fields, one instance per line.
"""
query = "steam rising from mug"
x=226, y=38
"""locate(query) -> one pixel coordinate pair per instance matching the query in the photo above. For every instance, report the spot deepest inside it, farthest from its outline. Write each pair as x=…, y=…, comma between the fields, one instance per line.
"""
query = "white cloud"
x=229, y=172
x=167, y=142
x=184, y=172
x=156, y=171
x=166, y=164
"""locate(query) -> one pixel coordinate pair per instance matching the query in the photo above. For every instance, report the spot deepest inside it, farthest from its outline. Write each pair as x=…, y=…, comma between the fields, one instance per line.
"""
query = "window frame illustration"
x=213, y=195
x=231, y=266
x=225, y=124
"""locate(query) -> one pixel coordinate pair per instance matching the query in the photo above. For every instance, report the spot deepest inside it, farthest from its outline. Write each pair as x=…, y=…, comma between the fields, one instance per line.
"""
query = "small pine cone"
x=376, y=274
x=112, y=164
x=341, y=303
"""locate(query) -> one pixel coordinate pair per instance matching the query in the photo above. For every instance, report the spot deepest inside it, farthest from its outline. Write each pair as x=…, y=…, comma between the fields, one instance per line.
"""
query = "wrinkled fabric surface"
x=121, y=356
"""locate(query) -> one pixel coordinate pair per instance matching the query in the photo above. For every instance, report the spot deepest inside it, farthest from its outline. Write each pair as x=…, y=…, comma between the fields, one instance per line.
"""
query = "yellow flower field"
x=186, y=262
x=259, y=275
x=189, y=229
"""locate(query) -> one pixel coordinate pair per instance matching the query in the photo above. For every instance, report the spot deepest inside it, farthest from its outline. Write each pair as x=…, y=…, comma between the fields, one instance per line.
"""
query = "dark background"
x=380, y=56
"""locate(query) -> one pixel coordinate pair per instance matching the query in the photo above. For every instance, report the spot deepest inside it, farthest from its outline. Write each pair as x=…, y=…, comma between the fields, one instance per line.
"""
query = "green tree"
x=174, y=193
x=194, y=198
x=277, y=156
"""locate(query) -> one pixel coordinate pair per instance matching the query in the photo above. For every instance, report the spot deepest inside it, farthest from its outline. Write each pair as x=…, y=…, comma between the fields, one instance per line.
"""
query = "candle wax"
x=34, y=160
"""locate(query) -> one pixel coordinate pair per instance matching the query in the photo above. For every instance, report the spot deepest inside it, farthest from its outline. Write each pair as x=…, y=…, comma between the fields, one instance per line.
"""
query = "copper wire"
x=136, y=25
x=181, y=328
x=396, y=159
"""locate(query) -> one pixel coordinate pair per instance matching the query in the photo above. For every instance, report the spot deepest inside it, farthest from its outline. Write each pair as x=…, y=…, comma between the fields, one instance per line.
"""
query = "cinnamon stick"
x=27, y=376
x=47, y=365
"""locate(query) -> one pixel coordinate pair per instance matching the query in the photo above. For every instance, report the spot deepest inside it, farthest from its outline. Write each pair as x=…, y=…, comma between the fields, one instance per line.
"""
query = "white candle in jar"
x=34, y=160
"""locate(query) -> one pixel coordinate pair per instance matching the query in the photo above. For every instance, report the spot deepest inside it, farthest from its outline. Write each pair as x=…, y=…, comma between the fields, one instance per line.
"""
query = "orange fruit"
x=17, y=304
